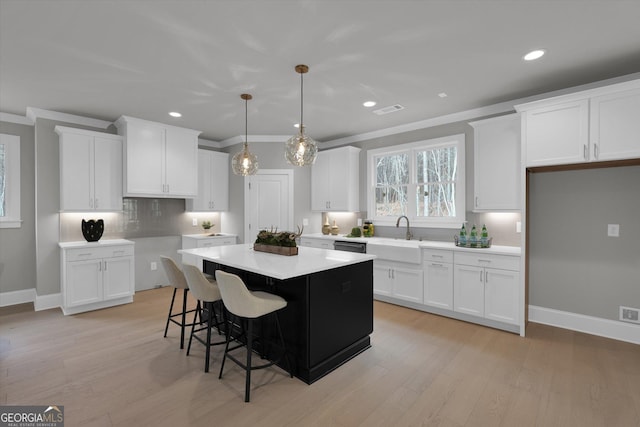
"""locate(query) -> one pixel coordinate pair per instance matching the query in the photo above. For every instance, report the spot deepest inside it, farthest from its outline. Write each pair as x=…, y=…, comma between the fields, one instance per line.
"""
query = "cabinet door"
x=438, y=284
x=501, y=295
x=219, y=182
x=107, y=174
x=118, y=277
x=468, y=290
x=320, y=190
x=76, y=172
x=203, y=201
x=144, y=159
x=181, y=163
x=614, y=126
x=497, y=163
x=83, y=282
x=408, y=284
x=382, y=281
x=338, y=180
x=557, y=134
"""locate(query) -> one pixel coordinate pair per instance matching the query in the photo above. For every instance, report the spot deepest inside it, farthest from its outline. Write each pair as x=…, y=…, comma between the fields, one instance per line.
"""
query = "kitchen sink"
x=396, y=250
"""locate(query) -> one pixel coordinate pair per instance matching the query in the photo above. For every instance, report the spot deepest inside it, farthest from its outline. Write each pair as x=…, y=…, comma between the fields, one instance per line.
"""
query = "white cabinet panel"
x=335, y=180
x=181, y=162
x=90, y=170
x=213, y=182
x=614, y=126
x=83, y=283
x=382, y=281
x=438, y=284
x=117, y=275
x=398, y=280
x=501, y=295
x=469, y=290
x=497, y=163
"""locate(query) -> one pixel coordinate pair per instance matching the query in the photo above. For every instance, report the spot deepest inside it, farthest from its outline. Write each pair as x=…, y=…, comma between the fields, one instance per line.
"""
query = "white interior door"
x=268, y=202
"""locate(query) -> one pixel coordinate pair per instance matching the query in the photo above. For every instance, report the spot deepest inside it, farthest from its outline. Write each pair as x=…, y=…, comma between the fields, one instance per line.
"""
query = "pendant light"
x=300, y=149
x=244, y=162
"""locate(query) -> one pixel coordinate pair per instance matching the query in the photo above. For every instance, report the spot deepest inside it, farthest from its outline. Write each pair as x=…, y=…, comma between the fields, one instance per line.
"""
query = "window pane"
x=392, y=170
x=437, y=165
x=2, y=181
x=391, y=201
x=436, y=200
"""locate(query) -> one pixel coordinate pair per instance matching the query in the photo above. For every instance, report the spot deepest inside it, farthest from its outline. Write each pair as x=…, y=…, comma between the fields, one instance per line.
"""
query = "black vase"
x=92, y=230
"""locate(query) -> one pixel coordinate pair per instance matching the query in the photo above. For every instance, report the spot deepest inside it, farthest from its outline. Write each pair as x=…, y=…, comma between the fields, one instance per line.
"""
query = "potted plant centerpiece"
x=275, y=242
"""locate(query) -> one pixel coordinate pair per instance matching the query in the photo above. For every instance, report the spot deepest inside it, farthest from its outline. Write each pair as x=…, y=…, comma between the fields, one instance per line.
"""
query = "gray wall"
x=573, y=265
x=17, y=245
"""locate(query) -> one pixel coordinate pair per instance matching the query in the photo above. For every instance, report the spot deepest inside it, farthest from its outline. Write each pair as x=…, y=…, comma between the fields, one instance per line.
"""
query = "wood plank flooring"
x=113, y=368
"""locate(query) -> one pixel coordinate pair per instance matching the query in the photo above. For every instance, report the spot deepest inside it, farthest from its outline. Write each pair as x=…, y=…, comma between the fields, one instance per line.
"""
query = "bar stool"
x=207, y=293
x=248, y=306
x=177, y=280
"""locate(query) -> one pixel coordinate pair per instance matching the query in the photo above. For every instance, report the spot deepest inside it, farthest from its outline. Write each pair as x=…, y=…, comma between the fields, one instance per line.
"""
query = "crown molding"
x=15, y=118
x=39, y=113
x=209, y=143
x=239, y=139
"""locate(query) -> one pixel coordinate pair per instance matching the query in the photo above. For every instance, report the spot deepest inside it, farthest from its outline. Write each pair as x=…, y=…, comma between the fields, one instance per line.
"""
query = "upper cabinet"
x=335, y=180
x=213, y=182
x=159, y=160
x=497, y=164
x=590, y=126
x=90, y=170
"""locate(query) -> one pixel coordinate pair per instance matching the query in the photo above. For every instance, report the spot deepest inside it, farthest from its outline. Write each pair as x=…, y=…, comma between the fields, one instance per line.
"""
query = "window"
x=422, y=180
x=9, y=181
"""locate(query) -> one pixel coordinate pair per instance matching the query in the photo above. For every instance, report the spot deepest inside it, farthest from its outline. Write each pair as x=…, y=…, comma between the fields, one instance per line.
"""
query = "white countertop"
x=308, y=260
x=209, y=235
x=429, y=244
x=99, y=243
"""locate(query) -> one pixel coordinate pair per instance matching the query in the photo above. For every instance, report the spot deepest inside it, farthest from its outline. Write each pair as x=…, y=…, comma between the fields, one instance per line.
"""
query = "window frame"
x=412, y=149
x=12, y=217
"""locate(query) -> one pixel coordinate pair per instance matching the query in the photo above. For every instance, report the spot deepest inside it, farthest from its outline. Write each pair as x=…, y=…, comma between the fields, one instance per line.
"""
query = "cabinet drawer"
x=81, y=254
x=207, y=243
x=503, y=262
x=437, y=255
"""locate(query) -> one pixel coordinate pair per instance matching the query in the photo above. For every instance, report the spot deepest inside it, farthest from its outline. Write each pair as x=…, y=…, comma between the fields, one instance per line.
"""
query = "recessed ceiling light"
x=442, y=95
x=369, y=103
x=534, y=54
x=175, y=114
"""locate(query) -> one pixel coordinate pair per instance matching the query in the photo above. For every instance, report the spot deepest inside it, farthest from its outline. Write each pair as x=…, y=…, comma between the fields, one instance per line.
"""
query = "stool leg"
x=166, y=328
x=208, y=350
x=193, y=325
x=184, y=318
x=226, y=347
x=249, y=351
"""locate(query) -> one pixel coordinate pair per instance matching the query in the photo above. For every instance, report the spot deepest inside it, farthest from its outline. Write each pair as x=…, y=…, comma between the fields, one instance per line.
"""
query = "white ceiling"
x=106, y=58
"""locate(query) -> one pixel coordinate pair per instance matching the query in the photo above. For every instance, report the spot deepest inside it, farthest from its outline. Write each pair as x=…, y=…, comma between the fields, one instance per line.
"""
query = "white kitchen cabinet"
x=398, y=280
x=438, y=278
x=213, y=183
x=487, y=285
x=595, y=125
x=90, y=170
x=159, y=160
x=96, y=275
x=497, y=164
x=335, y=180
x=193, y=241
x=316, y=243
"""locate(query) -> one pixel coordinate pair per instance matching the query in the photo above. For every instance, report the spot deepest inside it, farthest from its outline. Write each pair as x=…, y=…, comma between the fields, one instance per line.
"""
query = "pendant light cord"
x=301, y=101
x=246, y=126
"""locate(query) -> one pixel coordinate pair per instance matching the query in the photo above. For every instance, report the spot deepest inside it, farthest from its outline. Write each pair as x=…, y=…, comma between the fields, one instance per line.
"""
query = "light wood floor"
x=113, y=367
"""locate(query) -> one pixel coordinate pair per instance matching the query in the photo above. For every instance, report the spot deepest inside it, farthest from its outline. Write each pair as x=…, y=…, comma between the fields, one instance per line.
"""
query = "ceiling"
x=107, y=58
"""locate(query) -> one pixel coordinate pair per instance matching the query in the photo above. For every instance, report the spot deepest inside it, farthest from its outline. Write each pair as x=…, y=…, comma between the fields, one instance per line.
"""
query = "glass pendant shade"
x=244, y=162
x=300, y=149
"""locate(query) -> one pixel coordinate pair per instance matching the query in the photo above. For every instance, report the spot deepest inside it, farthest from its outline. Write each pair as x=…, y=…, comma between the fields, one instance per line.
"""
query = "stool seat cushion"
x=244, y=303
x=201, y=288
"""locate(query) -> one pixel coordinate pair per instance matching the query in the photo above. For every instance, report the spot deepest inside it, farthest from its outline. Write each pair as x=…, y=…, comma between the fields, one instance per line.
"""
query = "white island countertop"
x=308, y=261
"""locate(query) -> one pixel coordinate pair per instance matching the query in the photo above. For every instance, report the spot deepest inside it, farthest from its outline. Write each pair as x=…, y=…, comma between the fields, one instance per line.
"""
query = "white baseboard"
x=616, y=330
x=45, y=302
x=17, y=297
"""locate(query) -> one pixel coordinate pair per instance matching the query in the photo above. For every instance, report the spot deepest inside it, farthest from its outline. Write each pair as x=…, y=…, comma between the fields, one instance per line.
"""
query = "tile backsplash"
x=140, y=217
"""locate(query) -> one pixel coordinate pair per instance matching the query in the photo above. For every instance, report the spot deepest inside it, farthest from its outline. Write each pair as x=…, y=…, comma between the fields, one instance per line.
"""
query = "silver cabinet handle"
x=95, y=205
x=434, y=264
x=481, y=276
x=595, y=150
x=477, y=203
x=486, y=277
x=584, y=151
x=105, y=266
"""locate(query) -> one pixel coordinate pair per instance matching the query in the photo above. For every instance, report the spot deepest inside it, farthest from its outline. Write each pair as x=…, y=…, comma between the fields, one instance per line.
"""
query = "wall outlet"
x=518, y=227
x=613, y=230
x=305, y=222
x=194, y=222
x=154, y=266
x=628, y=314
x=359, y=222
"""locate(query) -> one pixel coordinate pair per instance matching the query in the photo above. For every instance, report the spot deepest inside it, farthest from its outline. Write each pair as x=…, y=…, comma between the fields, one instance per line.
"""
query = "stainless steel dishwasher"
x=348, y=246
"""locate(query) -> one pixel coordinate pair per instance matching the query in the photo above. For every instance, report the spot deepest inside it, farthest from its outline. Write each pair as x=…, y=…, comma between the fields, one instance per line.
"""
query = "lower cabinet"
x=438, y=278
x=398, y=280
x=94, y=275
x=487, y=286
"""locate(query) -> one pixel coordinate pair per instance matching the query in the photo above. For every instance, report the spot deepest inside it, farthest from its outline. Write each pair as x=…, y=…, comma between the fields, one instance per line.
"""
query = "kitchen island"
x=329, y=313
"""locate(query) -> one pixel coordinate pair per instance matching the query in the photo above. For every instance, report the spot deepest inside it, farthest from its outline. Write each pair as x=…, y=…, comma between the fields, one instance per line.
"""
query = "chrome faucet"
x=409, y=235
